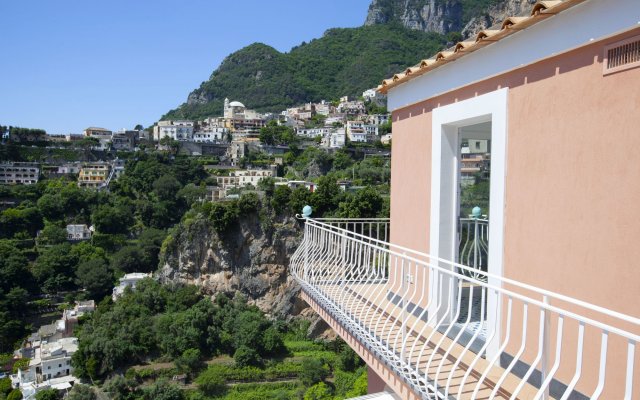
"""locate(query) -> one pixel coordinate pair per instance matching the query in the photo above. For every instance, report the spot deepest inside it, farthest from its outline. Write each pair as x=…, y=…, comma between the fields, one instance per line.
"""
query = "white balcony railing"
x=451, y=335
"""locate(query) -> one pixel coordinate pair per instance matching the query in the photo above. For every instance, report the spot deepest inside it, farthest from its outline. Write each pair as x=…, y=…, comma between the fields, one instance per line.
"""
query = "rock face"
x=199, y=97
x=423, y=15
x=496, y=13
x=249, y=260
x=444, y=16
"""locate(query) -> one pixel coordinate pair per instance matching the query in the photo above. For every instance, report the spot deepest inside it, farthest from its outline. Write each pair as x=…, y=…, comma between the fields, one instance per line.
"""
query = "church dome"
x=236, y=104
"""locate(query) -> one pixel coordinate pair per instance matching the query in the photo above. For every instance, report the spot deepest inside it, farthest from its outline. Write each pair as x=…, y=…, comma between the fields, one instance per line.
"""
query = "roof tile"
x=541, y=10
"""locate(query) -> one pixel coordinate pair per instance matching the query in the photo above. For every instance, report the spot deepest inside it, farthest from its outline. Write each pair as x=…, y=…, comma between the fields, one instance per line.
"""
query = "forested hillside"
x=343, y=62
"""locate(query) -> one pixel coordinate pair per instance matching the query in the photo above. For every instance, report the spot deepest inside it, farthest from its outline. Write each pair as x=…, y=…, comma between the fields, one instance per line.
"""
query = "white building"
x=374, y=96
x=310, y=186
x=353, y=107
x=176, y=130
x=79, y=232
x=335, y=119
x=336, y=139
x=129, y=280
x=357, y=131
x=51, y=360
x=378, y=119
x=243, y=177
x=17, y=173
x=104, y=136
x=211, y=135
x=324, y=108
x=313, y=132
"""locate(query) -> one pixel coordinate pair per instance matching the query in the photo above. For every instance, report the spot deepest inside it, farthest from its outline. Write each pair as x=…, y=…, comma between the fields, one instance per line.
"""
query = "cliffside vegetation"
x=345, y=61
x=215, y=344
x=130, y=220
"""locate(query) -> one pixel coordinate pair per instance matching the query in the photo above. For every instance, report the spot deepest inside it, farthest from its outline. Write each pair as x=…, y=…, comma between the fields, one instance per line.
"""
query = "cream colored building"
x=94, y=175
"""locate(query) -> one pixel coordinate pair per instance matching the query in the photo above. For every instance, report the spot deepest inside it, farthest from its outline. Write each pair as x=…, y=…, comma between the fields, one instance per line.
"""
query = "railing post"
x=404, y=309
x=306, y=240
x=544, y=363
x=476, y=244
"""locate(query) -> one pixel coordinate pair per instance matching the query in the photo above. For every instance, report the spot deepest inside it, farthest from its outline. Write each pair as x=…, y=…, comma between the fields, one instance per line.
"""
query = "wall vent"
x=622, y=55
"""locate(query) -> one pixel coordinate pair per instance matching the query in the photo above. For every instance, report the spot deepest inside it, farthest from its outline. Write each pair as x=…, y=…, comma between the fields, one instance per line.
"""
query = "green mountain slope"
x=344, y=61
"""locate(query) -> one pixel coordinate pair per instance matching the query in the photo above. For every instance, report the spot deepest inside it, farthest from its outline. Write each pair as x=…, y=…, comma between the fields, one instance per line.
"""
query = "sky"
x=69, y=64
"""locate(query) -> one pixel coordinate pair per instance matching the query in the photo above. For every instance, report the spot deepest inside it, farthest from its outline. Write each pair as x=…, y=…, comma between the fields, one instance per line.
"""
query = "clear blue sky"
x=69, y=64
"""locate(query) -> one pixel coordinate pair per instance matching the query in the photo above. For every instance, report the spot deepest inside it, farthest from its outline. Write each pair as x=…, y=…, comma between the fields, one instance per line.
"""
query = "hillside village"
x=228, y=139
x=238, y=152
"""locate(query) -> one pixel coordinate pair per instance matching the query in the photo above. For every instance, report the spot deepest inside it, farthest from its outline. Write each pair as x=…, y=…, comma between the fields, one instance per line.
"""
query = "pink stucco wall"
x=572, y=184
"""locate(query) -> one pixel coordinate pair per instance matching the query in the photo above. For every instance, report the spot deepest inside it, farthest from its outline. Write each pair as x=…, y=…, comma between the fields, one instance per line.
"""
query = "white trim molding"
x=446, y=122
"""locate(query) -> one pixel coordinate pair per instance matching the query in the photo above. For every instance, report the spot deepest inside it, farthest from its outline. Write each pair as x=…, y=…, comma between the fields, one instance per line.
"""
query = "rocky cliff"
x=250, y=259
x=444, y=16
x=423, y=15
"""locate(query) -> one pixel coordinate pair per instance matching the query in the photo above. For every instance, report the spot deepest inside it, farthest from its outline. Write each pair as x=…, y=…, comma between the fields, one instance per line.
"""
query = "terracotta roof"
x=540, y=11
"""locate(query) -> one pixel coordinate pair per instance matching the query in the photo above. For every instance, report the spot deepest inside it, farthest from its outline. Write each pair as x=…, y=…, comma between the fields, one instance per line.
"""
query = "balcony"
x=450, y=331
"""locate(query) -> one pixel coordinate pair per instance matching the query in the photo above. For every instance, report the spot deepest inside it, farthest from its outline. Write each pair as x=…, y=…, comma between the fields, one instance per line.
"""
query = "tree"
x=274, y=134
x=190, y=361
x=54, y=268
x=95, y=277
x=319, y=391
x=267, y=185
x=13, y=267
x=342, y=160
x=162, y=390
x=223, y=216
x=47, y=394
x=52, y=234
x=82, y=392
x=120, y=388
x=112, y=220
x=15, y=394
x=5, y=386
x=192, y=193
x=348, y=360
x=313, y=371
x=129, y=259
x=325, y=197
x=169, y=143
x=359, y=387
x=246, y=356
x=300, y=197
x=21, y=219
x=211, y=383
x=138, y=127
x=280, y=198
x=166, y=187
x=366, y=203
x=51, y=206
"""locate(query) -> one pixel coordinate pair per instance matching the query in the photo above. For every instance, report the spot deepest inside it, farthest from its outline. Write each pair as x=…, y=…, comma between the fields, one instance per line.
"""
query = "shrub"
x=313, y=371
x=211, y=383
x=15, y=394
x=359, y=387
x=5, y=386
x=246, y=356
x=319, y=391
x=47, y=394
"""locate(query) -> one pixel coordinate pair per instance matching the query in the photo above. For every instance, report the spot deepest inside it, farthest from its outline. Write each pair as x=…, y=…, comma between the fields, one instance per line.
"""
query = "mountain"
x=344, y=61
x=444, y=16
x=347, y=61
